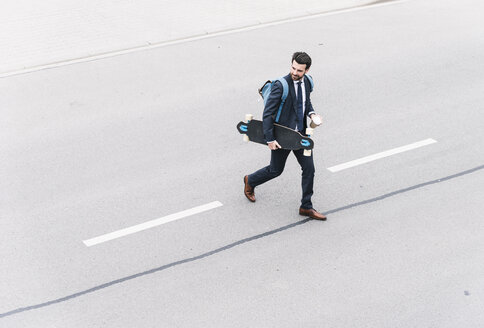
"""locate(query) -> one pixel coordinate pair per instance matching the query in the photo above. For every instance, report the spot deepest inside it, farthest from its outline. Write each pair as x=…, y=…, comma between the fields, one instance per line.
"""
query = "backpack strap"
x=310, y=78
x=285, y=91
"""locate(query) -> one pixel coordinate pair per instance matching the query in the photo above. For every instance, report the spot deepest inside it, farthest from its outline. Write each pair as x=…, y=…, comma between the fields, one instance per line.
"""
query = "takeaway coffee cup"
x=315, y=121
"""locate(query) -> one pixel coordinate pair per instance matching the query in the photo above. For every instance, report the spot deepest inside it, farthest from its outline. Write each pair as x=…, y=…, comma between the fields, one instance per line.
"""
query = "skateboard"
x=286, y=137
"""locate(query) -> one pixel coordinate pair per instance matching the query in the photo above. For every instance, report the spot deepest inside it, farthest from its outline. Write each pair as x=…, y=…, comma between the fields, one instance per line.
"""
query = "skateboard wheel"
x=246, y=138
x=307, y=152
x=248, y=117
x=309, y=131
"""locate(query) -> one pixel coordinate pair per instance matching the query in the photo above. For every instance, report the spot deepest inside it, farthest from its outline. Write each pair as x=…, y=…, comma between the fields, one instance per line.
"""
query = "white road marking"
x=151, y=224
x=387, y=153
x=194, y=38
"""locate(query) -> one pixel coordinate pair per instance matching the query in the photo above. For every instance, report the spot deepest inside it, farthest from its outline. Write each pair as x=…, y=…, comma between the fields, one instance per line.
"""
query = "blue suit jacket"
x=289, y=110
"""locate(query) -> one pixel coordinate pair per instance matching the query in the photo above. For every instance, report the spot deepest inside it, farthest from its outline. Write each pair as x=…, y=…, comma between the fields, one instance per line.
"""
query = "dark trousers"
x=276, y=167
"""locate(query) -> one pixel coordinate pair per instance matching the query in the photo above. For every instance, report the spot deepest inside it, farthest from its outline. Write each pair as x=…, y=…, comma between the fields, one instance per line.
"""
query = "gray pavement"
x=99, y=146
x=36, y=34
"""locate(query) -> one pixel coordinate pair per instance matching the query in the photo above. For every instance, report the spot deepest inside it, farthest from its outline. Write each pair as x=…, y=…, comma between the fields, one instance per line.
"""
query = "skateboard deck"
x=286, y=137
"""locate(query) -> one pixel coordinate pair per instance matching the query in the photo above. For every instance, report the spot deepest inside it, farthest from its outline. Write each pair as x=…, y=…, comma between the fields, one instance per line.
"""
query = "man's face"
x=298, y=70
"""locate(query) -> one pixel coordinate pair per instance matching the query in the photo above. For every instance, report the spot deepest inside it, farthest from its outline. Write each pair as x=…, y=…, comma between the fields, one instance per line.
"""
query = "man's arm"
x=317, y=120
x=270, y=111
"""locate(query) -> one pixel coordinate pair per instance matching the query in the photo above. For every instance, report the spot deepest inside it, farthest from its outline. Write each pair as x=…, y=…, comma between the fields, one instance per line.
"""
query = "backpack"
x=265, y=91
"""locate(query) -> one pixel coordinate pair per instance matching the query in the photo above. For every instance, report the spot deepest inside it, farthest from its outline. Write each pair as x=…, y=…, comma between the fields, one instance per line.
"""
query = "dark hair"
x=302, y=58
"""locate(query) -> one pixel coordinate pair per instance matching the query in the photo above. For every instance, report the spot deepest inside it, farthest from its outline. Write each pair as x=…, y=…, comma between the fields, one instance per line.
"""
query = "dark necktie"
x=300, y=114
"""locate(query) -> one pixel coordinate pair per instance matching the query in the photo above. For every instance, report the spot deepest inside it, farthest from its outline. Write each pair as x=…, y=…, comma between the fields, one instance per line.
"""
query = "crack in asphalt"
x=232, y=245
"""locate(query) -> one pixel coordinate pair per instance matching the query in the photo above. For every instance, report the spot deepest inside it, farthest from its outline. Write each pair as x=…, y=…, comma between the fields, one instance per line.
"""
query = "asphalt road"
x=95, y=147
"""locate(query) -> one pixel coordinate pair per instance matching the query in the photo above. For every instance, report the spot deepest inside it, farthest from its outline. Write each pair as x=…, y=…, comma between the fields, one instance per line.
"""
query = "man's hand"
x=316, y=120
x=274, y=145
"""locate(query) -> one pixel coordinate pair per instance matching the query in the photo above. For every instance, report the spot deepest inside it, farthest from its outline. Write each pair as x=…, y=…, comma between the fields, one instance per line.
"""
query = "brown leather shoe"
x=248, y=190
x=312, y=213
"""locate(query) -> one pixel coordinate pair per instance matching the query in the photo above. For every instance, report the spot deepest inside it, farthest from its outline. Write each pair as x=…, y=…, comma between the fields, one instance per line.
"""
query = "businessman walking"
x=295, y=111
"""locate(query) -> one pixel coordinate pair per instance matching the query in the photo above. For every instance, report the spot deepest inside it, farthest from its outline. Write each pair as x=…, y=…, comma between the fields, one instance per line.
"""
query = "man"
x=295, y=111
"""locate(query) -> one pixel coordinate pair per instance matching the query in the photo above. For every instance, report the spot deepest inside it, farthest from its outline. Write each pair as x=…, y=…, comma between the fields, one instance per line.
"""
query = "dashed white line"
x=387, y=153
x=151, y=224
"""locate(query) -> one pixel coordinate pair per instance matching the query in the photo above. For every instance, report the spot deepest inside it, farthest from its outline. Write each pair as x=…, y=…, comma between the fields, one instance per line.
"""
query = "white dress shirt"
x=303, y=92
x=303, y=88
